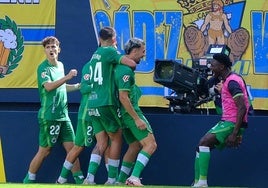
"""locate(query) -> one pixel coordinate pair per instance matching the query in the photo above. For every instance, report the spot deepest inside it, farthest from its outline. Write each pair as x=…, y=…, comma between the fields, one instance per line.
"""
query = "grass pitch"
x=19, y=185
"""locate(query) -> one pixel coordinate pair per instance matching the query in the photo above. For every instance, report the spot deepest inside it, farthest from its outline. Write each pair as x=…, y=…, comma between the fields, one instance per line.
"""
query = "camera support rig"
x=189, y=84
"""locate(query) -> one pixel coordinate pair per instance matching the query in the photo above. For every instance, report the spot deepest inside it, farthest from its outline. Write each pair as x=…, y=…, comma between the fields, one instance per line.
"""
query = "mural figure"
x=215, y=29
x=214, y=21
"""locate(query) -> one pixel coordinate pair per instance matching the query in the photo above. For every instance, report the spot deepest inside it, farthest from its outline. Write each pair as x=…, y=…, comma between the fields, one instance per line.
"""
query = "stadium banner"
x=23, y=24
x=182, y=30
x=2, y=166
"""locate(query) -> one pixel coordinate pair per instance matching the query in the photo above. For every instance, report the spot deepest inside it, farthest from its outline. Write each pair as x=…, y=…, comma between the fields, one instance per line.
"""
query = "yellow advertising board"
x=2, y=166
x=176, y=30
x=184, y=30
x=23, y=25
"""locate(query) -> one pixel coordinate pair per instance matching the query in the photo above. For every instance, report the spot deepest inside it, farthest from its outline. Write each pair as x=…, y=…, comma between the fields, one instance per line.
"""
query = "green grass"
x=19, y=185
x=8, y=185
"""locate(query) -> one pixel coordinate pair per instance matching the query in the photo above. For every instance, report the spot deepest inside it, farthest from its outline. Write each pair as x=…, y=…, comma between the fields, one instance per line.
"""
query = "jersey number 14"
x=97, y=73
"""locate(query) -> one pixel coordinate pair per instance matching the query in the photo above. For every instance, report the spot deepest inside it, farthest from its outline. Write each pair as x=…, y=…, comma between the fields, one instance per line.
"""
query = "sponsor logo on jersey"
x=43, y=74
x=86, y=76
x=126, y=78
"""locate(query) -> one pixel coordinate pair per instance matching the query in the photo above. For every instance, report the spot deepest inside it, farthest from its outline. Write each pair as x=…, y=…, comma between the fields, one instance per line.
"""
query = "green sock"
x=78, y=177
x=141, y=162
x=93, y=166
x=113, y=169
x=125, y=171
x=204, y=157
x=66, y=168
x=196, y=168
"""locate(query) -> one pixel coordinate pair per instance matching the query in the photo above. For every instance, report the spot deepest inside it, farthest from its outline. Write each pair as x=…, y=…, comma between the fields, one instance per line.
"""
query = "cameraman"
x=235, y=107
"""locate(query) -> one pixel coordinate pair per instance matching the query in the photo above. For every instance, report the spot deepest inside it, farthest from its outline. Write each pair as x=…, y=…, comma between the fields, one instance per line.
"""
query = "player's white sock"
x=31, y=176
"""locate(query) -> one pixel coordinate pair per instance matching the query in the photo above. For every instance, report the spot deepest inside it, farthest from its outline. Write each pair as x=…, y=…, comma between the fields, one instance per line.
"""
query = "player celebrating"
x=54, y=122
x=84, y=131
x=136, y=129
x=235, y=107
x=103, y=105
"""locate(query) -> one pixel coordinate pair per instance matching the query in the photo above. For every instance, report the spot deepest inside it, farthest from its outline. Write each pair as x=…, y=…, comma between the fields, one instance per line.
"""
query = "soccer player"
x=54, y=122
x=228, y=131
x=103, y=105
x=214, y=87
x=136, y=129
x=84, y=131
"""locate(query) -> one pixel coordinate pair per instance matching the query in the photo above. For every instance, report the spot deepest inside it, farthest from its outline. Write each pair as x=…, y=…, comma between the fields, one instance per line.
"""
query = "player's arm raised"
x=55, y=84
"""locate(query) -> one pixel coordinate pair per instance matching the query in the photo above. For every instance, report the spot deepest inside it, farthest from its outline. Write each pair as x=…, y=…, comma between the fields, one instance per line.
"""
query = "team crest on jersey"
x=11, y=46
x=43, y=74
x=86, y=76
x=126, y=78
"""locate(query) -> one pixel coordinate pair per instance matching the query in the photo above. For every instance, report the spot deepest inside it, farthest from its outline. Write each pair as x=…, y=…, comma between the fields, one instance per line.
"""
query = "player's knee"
x=77, y=149
x=44, y=152
x=207, y=140
x=151, y=146
x=116, y=138
x=101, y=146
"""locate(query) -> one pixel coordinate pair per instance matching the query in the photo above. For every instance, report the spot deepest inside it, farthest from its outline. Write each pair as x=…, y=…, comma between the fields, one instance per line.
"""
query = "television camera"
x=189, y=85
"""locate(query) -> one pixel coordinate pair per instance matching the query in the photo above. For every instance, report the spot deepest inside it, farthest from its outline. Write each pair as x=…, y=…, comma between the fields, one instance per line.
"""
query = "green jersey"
x=101, y=76
x=85, y=89
x=53, y=103
x=125, y=81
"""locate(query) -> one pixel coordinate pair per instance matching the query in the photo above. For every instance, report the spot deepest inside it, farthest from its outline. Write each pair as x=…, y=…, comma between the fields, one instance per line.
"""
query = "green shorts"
x=52, y=132
x=105, y=118
x=84, y=135
x=130, y=131
x=222, y=130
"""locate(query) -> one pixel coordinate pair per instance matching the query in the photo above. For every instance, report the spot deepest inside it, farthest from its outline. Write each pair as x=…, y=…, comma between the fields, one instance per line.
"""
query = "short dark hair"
x=223, y=59
x=107, y=33
x=49, y=40
x=133, y=43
